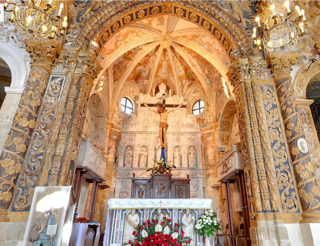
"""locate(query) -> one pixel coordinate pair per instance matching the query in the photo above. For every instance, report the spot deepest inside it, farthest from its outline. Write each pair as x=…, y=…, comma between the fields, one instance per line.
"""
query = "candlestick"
x=280, y=41
x=272, y=7
x=303, y=14
x=60, y=10
x=298, y=10
x=258, y=21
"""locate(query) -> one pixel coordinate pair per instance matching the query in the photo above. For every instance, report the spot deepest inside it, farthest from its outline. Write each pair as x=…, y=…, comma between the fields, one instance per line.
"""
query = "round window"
x=198, y=107
x=126, y=105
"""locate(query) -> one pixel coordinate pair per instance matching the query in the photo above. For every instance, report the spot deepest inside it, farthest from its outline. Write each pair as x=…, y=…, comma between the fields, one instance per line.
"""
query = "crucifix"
x=163, y=121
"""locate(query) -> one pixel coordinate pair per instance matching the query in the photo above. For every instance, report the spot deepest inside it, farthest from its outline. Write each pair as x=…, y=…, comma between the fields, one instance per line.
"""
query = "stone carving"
x=177, y=156
x=188, y=222
x=24, y=122
x=210, y=153
x=302, y=145
x=131, y=222
x=237, y=9
x=161, y=189
x=111, y=154
x=140, y=193
x=159, y=215
x=143, y=156
x=128, y=157
x=192, y=156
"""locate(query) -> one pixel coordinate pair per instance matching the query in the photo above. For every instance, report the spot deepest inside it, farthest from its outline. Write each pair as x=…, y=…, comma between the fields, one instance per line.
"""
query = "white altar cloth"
x=160, y=203
x=146, y=208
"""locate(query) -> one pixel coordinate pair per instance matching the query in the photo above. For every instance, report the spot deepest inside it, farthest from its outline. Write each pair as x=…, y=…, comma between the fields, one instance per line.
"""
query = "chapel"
x=163, y=122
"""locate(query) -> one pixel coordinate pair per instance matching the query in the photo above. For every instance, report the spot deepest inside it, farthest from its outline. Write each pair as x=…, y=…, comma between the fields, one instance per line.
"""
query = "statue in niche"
x=188, y=222
x=143, y=156
x=163, y=121
x=192, y=157
x=237, y=8
x=210, y=153
x=159, y=216
x=111, y=154
x=132, y=221
x=128, y=157
x=177, y=157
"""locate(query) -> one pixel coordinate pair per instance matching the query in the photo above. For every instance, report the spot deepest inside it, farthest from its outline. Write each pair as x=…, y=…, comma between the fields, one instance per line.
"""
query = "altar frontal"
x=125, y=215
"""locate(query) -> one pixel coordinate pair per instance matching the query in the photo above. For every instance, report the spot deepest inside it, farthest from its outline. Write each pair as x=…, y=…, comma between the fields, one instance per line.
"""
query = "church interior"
x=121, y=118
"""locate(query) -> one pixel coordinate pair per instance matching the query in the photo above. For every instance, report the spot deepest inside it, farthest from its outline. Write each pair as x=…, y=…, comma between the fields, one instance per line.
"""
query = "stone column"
x=271, y=191
x=43, y=54
x=308, y=190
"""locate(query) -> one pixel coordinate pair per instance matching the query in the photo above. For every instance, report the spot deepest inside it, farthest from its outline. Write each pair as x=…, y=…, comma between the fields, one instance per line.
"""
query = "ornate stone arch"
x=112, y=17
x=225, y=125
x=303, y=78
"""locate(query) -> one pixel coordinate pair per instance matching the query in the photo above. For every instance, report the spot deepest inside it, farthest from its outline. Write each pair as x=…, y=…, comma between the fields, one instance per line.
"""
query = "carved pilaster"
x=43, y=54
x=308, y=190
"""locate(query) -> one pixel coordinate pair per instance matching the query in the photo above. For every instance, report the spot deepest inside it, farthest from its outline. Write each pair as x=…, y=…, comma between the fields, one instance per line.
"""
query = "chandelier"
x=275, y=30
x=38, y=19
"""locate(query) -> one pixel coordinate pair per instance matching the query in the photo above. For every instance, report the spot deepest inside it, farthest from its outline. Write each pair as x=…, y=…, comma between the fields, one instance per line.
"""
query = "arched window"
x=126, y=105
x=198, y=107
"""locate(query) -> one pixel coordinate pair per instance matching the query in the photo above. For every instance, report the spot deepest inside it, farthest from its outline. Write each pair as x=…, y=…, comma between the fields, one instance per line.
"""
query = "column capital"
x=281, y=64
x=43, y=53
x=247, y=68
x=67, y=60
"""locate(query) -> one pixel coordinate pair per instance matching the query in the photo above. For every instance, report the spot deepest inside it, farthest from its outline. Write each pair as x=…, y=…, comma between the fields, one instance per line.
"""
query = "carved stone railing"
x=230, y=162
x=91, y=159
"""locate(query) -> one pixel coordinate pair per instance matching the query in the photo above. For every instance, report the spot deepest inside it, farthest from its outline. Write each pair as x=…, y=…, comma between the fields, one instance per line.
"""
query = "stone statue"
x=112, y=154
x=128, y=157
x=159, y=216
x=237, y=11
x=39, y=230
x=177, y=157
x=192, y=156
x=132, y=220
x=188, y=222
x=210, y=153
x=163, y=121
x=143, y=156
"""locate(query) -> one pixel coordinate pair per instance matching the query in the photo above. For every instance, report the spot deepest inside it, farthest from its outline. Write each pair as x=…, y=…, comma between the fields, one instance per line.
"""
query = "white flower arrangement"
x=207, y=224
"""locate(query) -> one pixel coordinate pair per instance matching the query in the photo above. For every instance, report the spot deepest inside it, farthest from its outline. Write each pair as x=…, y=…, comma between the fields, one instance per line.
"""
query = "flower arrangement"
x=152, y=233
x=161, y=167
x=207, y=224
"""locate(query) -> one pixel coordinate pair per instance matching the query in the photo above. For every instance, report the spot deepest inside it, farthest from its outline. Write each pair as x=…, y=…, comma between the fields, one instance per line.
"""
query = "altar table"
x=146, y=209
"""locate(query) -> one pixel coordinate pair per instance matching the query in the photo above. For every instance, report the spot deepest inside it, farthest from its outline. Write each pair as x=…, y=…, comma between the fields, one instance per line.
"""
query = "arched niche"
x=306, y=77
x=228, y=127
x=95, y=125
x=5, y=79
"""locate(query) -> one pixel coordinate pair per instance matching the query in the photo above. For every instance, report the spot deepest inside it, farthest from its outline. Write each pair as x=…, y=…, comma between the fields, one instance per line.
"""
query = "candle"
x=44, y=28
x=303, y=14
x=301, y=27
x=64, y=23
x=292, y=34
x=272, y=7
x=269, y=43
x=258, y=21
x=298, y=10
x=259, y=42
x=280, y=41
x=60, y=10
x=50, y=2
x=287, y=4
x=94, y=43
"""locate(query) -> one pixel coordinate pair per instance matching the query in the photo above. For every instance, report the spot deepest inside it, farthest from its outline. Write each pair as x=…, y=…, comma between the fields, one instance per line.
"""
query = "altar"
x=124, y=213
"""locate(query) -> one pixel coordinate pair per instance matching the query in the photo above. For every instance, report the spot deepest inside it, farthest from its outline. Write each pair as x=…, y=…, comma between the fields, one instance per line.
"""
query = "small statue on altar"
x=132, y=221
x=192, y=156
x=188, y=222
x=163, y=121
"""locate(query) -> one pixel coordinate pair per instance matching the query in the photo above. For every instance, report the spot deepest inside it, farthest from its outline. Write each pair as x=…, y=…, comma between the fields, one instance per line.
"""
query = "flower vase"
x=206, y=241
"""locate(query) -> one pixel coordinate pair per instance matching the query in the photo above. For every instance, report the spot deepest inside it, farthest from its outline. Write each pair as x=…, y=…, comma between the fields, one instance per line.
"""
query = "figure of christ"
x=163, y=122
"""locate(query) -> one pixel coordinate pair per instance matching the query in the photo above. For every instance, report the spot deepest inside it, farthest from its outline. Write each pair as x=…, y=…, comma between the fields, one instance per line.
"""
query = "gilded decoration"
x=43, y=54
x=231, y=34
x=276, y=151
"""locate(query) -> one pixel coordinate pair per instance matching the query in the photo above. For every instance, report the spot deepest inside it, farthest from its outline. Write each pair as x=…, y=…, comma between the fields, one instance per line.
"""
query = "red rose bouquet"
x=152, y=233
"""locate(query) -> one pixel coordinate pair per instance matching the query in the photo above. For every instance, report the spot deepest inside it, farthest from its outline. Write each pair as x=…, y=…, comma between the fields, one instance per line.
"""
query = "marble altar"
x=125, y=214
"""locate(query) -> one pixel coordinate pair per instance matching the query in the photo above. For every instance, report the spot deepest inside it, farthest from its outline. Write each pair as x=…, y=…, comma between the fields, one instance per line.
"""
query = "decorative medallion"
x=179, y=12
x=167, y=8
x=155, y=10
x=105, y=36
x=115, y=27
x=217, y=34
x=226, y=44
x=127, y=19
x=206, y=24
x=194, y=17
x=302, y=145
x=141, y=13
